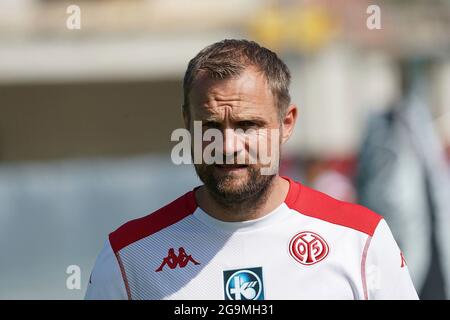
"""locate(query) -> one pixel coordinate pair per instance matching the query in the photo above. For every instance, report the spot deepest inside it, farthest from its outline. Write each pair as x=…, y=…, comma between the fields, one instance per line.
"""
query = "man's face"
x=245, y=102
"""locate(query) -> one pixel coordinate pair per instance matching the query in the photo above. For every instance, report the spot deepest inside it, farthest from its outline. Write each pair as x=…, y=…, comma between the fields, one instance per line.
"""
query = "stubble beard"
x=230, y=193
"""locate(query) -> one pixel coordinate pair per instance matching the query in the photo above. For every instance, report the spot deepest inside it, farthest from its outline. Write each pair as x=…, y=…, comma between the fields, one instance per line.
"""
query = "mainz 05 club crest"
x=308, y=248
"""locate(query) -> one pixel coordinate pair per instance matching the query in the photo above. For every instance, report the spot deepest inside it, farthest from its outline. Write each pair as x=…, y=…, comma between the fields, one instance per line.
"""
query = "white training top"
x=311, y=247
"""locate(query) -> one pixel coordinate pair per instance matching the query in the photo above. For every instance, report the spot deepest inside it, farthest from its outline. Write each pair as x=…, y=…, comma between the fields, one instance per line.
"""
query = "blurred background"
x=86, y=116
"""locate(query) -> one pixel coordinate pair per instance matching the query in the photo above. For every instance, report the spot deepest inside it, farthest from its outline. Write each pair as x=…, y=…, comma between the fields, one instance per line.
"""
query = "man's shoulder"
x=154, y=222
x=319, y=205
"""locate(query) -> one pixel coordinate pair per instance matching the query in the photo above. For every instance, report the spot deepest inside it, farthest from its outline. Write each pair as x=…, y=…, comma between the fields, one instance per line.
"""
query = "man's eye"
x=247, y=124
x=211, y=124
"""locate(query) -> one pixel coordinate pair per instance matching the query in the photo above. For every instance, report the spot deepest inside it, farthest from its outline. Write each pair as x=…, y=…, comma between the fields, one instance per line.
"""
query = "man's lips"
x=231, y=167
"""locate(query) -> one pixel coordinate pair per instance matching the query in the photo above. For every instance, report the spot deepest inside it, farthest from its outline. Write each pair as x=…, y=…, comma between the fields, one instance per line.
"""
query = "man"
x=246, y=234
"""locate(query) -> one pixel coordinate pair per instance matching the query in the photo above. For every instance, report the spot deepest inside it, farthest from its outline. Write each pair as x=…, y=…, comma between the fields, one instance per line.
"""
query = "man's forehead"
x=242, y=92
x=236, y=113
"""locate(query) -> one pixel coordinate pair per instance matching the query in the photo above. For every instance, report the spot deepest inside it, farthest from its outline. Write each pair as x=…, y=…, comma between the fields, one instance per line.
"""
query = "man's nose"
x=232, y=143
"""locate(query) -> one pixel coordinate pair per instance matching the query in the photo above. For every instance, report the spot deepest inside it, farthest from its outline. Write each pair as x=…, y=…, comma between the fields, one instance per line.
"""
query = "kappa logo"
x=403, y=260
x=172, y=260
x=308, y=248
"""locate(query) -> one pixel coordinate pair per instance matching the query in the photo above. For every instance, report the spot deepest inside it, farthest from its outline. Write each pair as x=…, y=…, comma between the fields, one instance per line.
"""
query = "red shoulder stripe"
x=318, y=205
x=168, y=215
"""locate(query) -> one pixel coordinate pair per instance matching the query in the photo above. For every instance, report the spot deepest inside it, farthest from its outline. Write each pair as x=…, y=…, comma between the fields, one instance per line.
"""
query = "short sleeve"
x=106, y=281
x=386, y=271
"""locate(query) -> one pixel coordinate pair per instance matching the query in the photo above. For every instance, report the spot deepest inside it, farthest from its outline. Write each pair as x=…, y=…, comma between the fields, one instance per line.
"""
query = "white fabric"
x=106, y=282
x=386, y=279
x=349, y=268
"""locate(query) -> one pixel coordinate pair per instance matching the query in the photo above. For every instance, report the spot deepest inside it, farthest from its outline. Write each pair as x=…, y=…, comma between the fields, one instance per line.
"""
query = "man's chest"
x=281, y=265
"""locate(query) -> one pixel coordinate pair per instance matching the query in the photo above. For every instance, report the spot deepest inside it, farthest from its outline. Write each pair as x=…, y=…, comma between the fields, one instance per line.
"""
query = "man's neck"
x=275, y=196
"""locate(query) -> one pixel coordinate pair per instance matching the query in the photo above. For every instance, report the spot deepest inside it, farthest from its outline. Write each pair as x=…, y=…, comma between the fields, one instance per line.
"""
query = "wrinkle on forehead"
x=248, y=93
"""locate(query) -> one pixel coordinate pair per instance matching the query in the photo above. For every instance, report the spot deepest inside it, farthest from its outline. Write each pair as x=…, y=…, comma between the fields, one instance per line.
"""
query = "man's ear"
x=288, y=122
